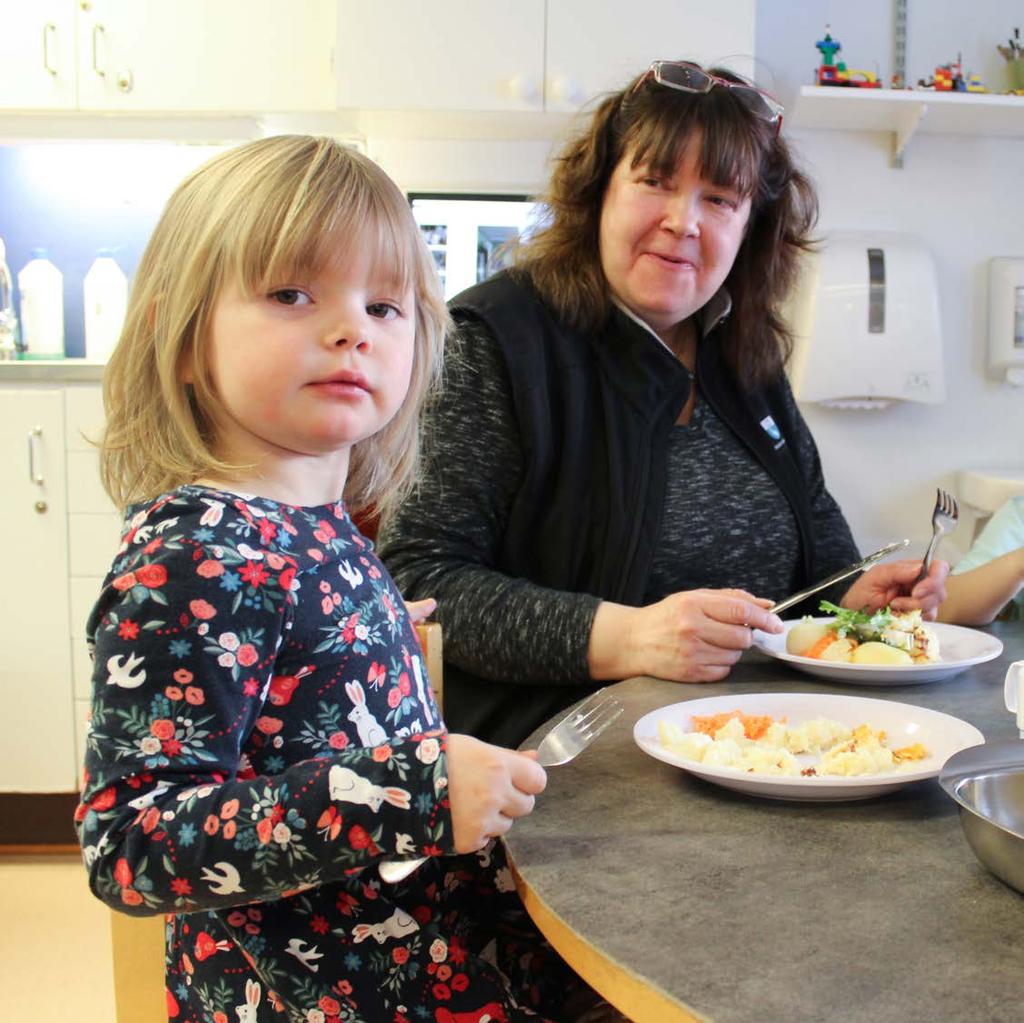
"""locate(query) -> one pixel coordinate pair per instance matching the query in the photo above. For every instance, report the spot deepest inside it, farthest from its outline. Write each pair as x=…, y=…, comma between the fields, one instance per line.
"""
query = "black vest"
x=594, y=415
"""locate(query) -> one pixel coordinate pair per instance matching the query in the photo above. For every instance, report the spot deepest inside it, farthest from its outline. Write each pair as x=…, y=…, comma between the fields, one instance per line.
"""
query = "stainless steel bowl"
x=987, y=782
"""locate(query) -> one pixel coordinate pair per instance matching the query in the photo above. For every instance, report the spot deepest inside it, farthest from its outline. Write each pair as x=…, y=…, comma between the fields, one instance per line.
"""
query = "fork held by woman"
x=944, y=519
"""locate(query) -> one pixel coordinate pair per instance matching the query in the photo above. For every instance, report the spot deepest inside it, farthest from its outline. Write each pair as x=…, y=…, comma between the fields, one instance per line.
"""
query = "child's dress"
x=262, y=735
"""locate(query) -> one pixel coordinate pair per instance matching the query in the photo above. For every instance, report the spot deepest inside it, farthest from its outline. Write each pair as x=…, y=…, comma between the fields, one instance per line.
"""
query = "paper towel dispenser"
x=865, y=321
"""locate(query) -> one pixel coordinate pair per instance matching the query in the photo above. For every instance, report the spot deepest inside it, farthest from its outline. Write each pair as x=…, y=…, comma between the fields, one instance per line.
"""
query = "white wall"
x=962, y=196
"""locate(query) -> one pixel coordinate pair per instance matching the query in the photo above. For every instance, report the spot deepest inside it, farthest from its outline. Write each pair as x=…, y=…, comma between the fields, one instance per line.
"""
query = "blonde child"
x=263, y=733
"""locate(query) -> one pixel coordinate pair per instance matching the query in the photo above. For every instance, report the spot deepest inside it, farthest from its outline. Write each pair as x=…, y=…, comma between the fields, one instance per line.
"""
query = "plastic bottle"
x=8, y=318
x=41, y=286
x=106, y=296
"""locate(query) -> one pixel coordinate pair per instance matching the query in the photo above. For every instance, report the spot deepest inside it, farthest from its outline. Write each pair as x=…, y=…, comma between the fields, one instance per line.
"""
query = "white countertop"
x=51, y=371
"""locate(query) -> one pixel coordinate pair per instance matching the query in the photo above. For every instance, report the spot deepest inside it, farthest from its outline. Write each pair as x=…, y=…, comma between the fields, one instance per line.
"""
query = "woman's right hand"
x=488, y=787
x=692, y=636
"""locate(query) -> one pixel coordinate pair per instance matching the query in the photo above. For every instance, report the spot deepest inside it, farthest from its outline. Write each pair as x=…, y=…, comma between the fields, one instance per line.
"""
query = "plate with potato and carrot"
x=881, y=648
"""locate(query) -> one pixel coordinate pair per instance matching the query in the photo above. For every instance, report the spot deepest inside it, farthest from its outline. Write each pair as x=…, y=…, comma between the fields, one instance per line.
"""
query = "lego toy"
x=951, y=78
x=833, y=72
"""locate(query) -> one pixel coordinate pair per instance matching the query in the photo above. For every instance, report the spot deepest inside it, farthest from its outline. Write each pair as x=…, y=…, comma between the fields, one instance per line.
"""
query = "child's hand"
x=420, y=610
x=488, y=787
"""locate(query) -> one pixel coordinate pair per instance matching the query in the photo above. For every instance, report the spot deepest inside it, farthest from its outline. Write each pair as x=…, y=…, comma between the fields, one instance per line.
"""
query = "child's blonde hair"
x=255, y=215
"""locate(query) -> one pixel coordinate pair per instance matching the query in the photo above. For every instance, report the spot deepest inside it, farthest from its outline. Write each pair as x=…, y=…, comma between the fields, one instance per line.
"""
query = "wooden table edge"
x=623, y=988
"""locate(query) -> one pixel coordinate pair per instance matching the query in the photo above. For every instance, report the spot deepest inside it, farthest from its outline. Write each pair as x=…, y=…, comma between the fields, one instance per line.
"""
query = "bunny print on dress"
x=370, y=732
x=348, y=787
x=247, y=1012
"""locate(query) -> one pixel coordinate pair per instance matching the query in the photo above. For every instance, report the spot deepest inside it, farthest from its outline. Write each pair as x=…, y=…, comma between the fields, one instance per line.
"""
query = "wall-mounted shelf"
x=905, y=112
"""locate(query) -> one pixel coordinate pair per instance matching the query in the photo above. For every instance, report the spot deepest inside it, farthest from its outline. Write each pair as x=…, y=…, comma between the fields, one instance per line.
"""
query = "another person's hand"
x=893, y=583
x=488, y=787
x=692, y=636
x=420, y=610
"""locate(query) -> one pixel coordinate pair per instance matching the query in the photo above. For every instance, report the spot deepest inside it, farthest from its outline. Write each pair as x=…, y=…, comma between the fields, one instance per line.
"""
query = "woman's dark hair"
x=656, y=124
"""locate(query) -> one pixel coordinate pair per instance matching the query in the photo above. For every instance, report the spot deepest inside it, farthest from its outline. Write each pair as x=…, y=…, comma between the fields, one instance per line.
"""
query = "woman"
x=617, y=449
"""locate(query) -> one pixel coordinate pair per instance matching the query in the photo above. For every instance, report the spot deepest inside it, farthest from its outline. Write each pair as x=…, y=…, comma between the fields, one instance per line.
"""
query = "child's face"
x=311, y=367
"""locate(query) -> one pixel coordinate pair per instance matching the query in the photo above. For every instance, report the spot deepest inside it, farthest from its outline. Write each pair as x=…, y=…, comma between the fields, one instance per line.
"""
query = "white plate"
x=941, y=734
x=959, y=647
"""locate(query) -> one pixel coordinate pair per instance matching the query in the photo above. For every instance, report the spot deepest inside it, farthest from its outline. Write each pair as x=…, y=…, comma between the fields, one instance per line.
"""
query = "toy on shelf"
x=833, y=72
x=951, y=78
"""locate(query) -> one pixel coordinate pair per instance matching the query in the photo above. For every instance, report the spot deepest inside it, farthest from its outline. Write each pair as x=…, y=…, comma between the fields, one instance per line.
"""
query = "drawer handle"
x=48, y=29
x=33, y=442
x=97, y=31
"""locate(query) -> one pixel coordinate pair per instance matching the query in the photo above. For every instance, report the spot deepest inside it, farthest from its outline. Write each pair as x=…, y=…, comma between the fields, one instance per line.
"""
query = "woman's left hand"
x=893, y=584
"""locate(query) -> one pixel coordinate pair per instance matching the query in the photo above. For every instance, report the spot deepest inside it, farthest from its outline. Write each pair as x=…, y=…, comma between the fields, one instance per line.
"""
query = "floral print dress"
x=262, y=735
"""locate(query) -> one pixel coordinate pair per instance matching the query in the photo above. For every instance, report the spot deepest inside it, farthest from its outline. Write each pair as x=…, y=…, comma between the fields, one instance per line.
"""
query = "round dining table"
x=680, y=900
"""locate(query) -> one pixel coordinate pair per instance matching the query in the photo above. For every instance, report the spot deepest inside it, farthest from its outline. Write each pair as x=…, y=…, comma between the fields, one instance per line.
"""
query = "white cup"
x=1013, y=692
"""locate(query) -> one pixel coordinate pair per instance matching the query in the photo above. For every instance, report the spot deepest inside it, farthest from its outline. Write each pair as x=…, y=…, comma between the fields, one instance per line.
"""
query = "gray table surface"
x=748, y=910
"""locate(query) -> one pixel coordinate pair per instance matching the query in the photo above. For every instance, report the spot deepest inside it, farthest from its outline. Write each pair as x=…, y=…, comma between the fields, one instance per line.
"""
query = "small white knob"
x=525, y=89
x=566, y=90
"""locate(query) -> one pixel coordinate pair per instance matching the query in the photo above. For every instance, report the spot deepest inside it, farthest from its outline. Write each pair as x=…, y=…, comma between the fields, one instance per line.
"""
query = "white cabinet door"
x=37, y=54
x=194, y=55
x=595, y=46
x=37, y=753
x=442, y=55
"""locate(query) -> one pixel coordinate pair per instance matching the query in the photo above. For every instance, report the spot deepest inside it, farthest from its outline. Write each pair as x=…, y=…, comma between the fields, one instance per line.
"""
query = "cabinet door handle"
x=97, y=31
x=49, y=29
x=33, y=442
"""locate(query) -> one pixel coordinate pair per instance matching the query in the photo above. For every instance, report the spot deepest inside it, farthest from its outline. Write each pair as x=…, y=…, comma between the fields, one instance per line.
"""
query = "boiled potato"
x=840, y=651
x=803, y=636
x=880, y=653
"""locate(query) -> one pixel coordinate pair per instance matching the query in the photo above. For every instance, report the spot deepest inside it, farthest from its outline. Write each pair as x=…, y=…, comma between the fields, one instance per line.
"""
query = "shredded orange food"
x=915, y=752
x=754, y=725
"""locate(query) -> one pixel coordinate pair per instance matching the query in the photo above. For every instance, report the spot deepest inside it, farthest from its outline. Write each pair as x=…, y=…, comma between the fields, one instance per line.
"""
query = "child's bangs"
x=327, y=219
x=730, y=152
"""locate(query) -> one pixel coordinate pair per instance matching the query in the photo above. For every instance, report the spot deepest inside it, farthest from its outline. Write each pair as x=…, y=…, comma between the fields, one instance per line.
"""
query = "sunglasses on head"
x=688, y=77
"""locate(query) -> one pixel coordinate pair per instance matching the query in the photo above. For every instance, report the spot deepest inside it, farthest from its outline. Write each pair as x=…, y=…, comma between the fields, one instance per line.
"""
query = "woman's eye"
x=724, y=201
x=290, y=296
x=651, y=182
x=383, y=310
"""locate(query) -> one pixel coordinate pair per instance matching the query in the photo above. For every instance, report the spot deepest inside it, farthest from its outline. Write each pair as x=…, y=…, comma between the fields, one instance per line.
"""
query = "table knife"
x=845, y=573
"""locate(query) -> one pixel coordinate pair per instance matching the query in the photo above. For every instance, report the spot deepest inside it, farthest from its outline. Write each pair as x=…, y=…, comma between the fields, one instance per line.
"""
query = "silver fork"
x=944, y=520
x=565, y=741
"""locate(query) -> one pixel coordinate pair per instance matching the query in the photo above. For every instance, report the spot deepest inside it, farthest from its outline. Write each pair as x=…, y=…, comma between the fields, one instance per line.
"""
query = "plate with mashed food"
x=885, y=648
x=805, y=746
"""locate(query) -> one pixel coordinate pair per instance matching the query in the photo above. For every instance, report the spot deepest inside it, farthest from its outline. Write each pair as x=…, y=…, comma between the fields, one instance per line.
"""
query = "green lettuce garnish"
x=865, y=626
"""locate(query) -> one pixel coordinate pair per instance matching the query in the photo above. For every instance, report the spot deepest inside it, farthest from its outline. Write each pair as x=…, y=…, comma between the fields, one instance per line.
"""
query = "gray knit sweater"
x=503, y=628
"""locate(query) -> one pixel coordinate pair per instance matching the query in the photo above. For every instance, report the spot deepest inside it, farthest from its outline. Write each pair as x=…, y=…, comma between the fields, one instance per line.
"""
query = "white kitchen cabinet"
x=445, y=55
x=37, y=54
x=594, y=46
x=38, y=751
x=168, y=56
x=531, y=55
x=64, y=532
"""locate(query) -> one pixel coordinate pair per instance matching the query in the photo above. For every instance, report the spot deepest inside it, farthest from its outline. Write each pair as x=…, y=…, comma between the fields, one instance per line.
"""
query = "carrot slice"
x=815, y=650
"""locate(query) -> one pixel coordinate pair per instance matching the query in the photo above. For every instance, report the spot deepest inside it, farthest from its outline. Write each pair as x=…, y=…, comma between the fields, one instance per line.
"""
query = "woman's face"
x=668, y=243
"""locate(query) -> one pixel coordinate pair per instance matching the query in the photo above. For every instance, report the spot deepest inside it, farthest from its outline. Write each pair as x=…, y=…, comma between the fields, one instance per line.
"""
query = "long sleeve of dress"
x=260, y=720
x=444, y=542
